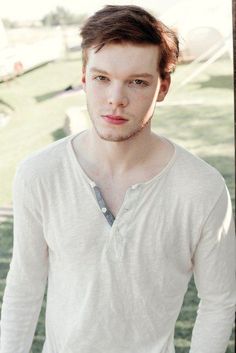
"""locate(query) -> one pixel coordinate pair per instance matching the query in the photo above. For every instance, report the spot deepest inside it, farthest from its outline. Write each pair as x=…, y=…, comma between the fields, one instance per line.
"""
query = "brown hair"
x=130, y=24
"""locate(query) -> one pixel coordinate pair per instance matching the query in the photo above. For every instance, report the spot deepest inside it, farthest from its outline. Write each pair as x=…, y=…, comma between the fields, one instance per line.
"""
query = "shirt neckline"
x=150, y=181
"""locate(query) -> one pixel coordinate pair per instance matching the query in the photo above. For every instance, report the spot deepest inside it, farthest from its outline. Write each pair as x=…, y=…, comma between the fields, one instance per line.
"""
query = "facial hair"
x=120, y=138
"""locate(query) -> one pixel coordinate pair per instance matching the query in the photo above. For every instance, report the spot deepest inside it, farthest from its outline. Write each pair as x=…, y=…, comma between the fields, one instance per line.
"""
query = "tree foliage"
x=9, y=23
x=62, y=16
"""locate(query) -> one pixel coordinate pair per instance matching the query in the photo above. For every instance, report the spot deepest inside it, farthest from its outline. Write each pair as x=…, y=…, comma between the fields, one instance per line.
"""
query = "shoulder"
x=42, y=162
x=196, y=176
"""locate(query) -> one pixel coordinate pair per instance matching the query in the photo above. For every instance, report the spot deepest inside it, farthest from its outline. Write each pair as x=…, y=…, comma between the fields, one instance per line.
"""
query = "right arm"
x=27, y=276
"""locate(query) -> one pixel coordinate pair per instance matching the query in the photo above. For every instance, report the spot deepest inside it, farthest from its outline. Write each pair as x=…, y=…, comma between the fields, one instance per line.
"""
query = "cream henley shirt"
x=118, y=288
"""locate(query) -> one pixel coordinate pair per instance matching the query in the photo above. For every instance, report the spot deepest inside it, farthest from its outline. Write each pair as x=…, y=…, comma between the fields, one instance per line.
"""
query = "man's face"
x=122, y=85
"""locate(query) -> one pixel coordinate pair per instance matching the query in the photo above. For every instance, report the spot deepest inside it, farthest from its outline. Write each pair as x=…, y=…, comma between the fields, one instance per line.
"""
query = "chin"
x=114, y=138
x=118, y=136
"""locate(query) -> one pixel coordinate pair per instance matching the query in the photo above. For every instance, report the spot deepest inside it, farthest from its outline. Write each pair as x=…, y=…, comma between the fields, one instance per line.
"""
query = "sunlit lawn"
x=199, y=116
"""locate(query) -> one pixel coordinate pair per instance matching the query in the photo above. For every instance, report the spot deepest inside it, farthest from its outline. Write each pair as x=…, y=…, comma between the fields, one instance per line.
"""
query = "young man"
x=117, y=217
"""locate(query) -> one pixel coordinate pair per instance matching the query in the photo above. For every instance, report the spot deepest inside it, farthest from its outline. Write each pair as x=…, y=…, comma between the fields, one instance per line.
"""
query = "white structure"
x=200, y=24
x=3, y=36
x=29, y=50
x=205, y=31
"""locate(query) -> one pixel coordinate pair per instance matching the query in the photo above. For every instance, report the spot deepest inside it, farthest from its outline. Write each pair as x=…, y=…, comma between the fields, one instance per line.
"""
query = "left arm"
x=214, y=275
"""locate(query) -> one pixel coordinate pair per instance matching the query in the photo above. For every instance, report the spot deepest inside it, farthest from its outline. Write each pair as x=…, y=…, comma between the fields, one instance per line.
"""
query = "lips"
x=114, y=119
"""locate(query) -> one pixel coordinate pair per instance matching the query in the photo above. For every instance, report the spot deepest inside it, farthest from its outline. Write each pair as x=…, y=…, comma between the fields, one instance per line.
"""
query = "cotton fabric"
x=119, y=288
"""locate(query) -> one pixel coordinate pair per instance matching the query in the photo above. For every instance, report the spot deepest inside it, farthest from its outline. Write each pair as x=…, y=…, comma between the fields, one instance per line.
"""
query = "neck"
x=117, y=158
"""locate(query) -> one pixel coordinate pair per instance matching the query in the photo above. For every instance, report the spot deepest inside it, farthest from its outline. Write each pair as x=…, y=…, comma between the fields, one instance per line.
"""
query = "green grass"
x=37, y=119
x=204, y=125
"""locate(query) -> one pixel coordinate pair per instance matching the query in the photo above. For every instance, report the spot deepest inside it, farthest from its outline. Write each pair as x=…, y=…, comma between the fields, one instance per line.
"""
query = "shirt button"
x=104, y=210
x=133, y=187
x=92, y=184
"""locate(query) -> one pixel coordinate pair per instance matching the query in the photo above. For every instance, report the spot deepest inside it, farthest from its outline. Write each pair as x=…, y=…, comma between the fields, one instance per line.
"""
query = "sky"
x=31, y=9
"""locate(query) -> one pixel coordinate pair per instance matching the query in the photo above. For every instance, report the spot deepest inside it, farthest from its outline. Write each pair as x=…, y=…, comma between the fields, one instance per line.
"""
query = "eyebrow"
x=95, y=69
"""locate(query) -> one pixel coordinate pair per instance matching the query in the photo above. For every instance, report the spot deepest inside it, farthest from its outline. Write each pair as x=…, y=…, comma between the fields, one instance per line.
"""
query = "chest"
x=152, y=220
x=113, y=194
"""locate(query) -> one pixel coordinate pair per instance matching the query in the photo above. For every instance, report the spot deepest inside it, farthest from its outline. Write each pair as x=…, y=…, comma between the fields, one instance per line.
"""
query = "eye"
x=141, y=83
x=100, y=78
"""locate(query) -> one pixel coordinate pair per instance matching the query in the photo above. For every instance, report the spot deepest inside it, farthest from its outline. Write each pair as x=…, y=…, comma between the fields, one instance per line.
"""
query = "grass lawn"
x=199, y=116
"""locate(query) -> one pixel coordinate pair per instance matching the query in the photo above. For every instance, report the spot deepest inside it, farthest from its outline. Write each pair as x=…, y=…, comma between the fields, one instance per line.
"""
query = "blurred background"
x=41, y=99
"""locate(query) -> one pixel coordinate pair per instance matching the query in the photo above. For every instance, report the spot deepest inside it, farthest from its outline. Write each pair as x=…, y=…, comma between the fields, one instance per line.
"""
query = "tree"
x=62, y=16
x=9, y=23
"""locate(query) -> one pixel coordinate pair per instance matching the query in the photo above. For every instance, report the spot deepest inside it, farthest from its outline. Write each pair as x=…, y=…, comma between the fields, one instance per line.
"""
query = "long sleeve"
x=27, y=276
x=214, y=274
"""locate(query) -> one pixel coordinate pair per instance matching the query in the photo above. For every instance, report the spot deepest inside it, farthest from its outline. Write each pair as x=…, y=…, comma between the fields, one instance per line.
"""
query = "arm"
x=26, y=279
x=214, y=274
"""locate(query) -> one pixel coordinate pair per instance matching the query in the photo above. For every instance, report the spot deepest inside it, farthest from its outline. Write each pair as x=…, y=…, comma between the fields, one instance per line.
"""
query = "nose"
x=117, y=96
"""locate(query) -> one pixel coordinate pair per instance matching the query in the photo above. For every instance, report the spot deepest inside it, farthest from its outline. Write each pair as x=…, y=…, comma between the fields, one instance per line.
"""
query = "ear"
x=83, y=79
x=164, y=87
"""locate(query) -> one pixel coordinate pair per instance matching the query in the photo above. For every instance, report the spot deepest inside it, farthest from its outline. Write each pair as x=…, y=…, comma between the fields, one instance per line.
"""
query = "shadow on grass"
x=218, y=81
x=6, y=105
x=64, y=91
x=6, y=243
x=208, y=126
x=47, y=96
x=58, y=134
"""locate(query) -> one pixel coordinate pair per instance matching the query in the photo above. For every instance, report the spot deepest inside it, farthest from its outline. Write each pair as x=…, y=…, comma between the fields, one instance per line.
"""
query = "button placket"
x=118, y=240
x=119, y=243
x=106, y=212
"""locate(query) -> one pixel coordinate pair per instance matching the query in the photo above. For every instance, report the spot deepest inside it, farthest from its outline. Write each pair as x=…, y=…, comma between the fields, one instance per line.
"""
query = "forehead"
x=125, y=58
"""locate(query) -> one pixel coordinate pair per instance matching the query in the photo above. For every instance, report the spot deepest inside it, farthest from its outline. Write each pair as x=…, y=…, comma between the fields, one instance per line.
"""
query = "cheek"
x=96, y=92
x=95, y=100
x=147, y=95
x=145, y=104
x=146, y=100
